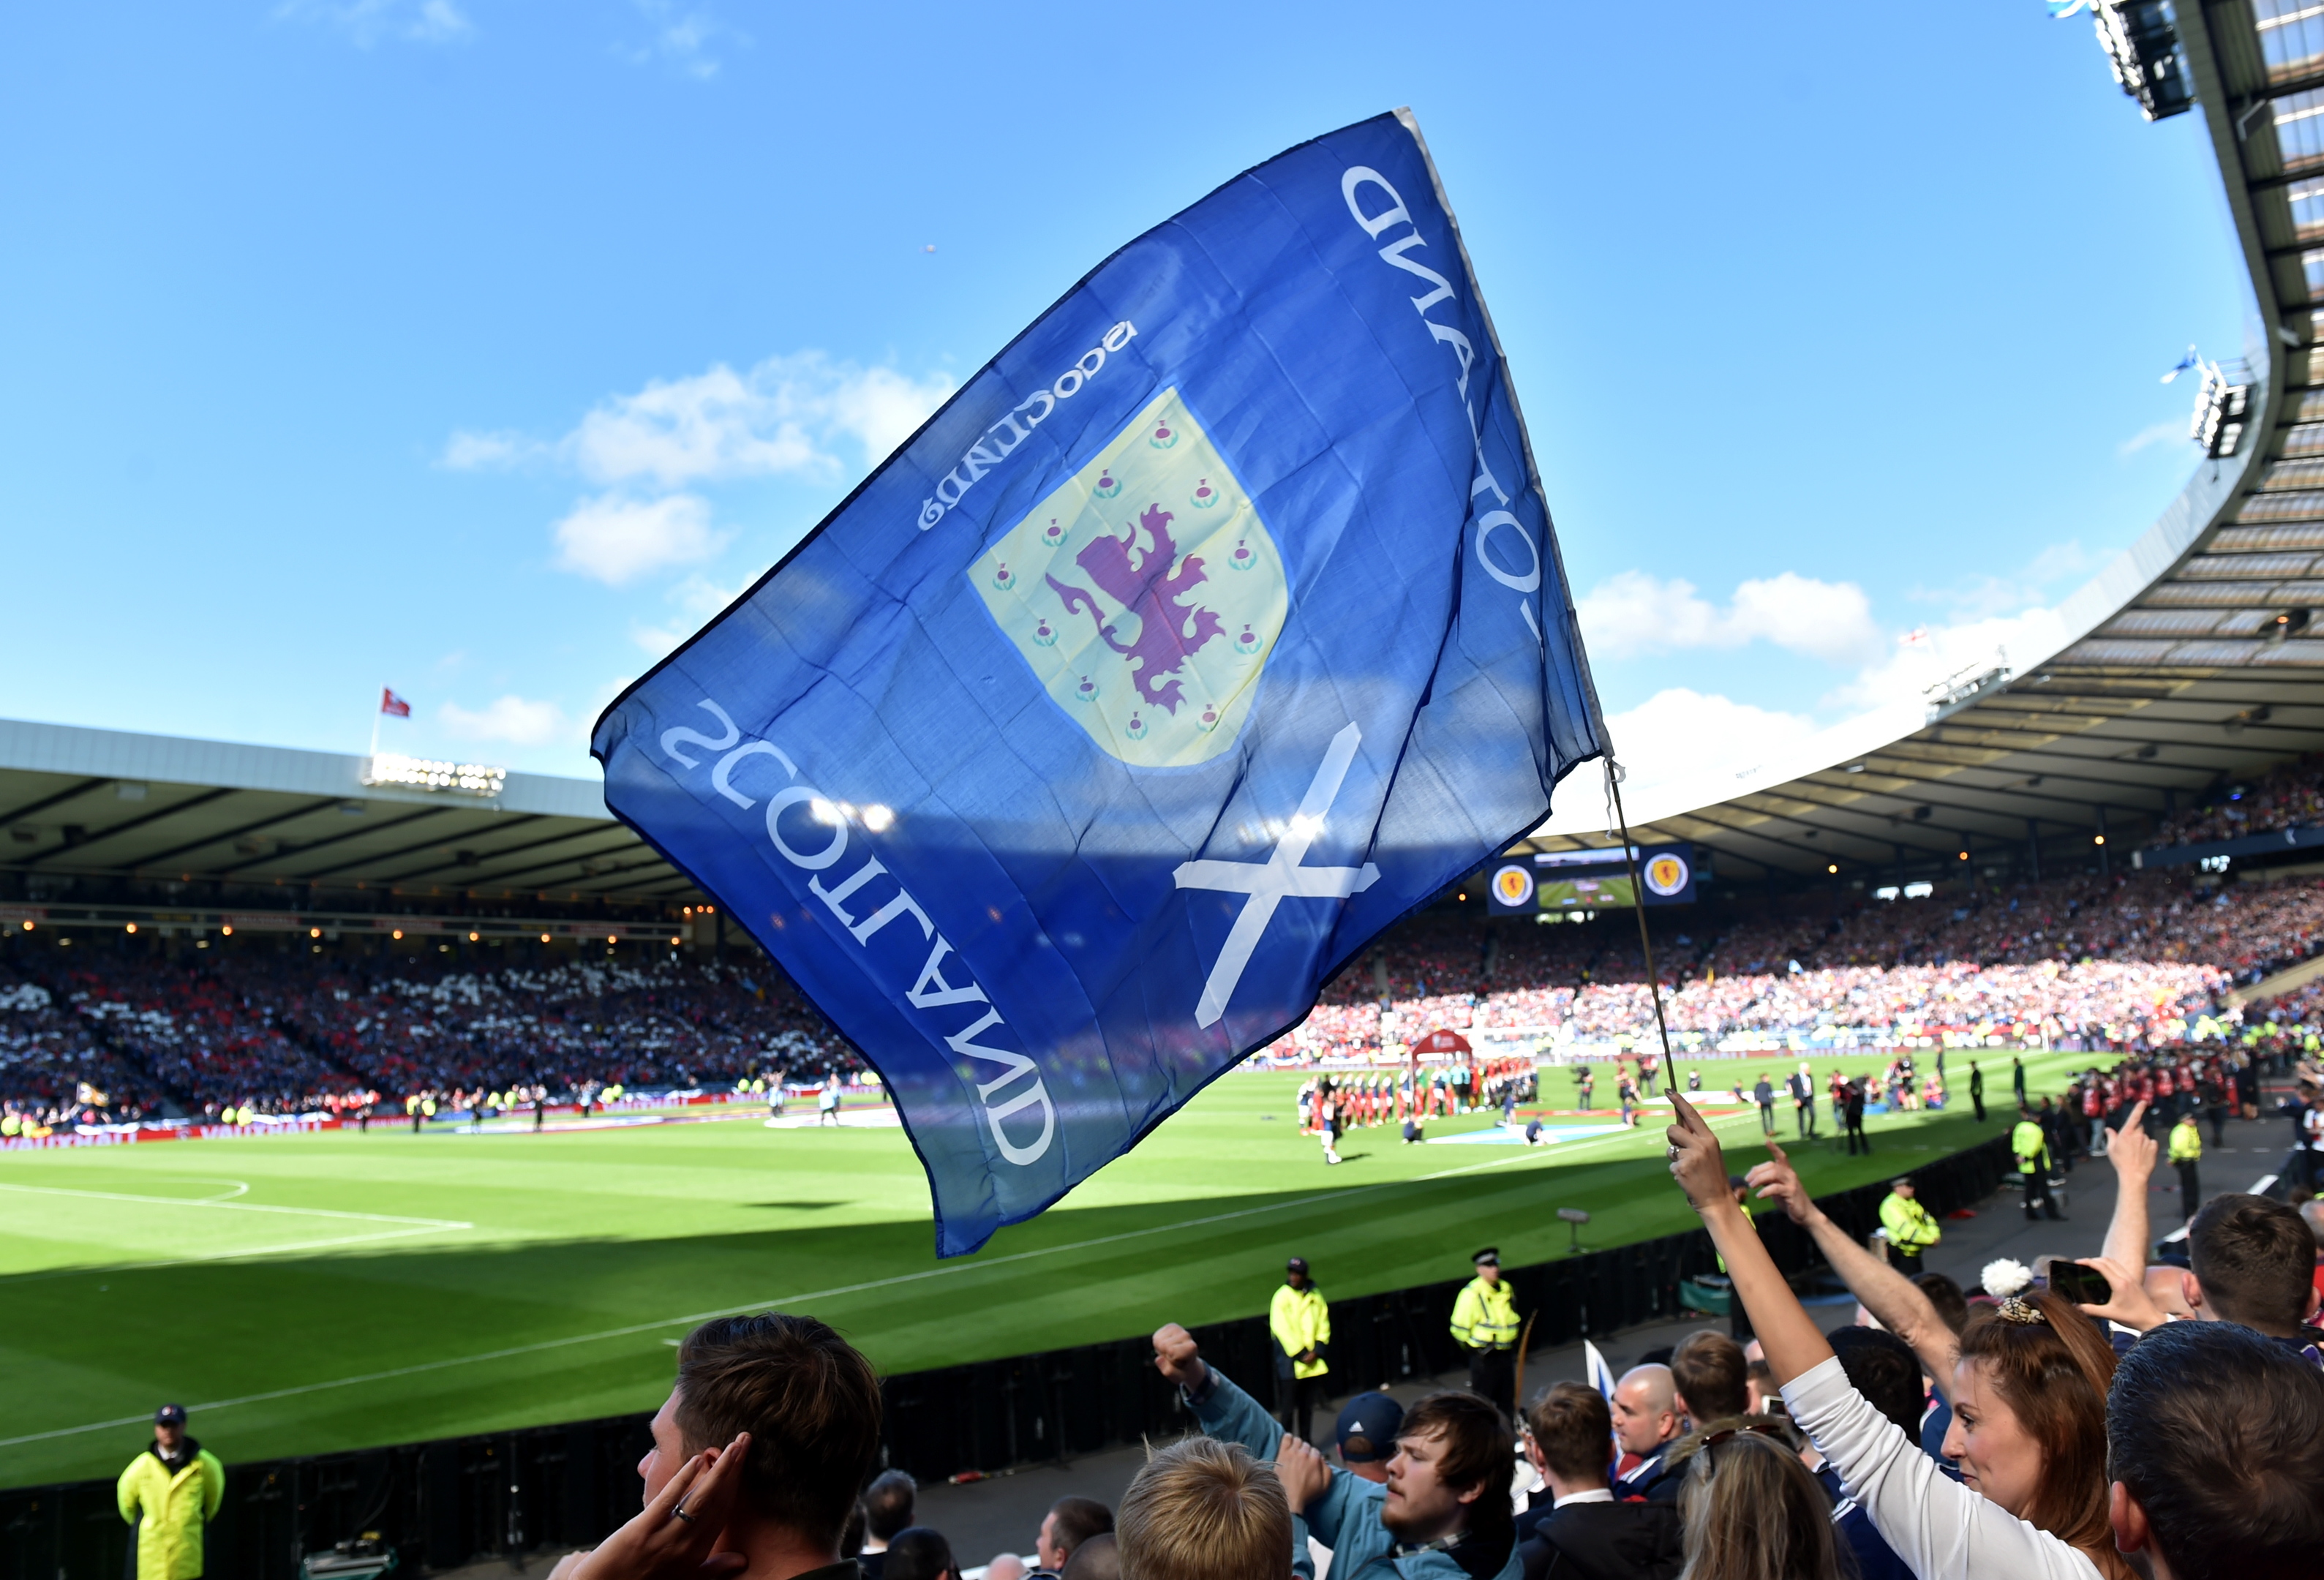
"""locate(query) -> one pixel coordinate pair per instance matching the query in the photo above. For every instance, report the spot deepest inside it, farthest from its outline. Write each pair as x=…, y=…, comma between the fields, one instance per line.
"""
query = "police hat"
x=1367, y=1429
x=169, y=1415
x=1298, y=1264
x=1491, y=1255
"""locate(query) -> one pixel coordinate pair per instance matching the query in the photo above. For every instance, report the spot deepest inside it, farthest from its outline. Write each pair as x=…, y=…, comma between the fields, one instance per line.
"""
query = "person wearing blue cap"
x=170, y=1491
x=1301, y=1322
x=1366, y=1433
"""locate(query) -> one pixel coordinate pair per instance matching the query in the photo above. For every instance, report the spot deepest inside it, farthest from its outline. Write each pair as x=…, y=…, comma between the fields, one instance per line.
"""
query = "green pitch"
x=308, y=1293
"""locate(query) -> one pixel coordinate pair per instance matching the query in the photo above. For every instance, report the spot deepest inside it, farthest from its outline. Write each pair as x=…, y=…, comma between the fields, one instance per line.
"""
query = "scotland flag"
x=1213, y=626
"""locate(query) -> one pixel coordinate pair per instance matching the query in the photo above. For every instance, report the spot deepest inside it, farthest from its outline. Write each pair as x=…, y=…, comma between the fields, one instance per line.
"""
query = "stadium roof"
x=158, y=808
x=2188, y=657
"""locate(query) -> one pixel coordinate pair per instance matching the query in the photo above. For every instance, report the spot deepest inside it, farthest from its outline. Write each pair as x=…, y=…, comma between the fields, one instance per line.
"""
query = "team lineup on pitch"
x=458, y=1283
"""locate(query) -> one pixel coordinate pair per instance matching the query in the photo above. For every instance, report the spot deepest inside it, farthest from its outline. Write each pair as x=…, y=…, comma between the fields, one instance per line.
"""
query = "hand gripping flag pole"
x=1213, y=627
x=1638, y=903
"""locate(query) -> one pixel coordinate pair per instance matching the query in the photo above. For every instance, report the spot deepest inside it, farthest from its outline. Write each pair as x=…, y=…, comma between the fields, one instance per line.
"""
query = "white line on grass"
x=236, y=1207
x=1546, y=1155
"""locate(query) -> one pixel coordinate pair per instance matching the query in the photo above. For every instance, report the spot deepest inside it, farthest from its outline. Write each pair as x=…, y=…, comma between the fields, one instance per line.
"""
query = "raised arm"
x=1786, y=1332
x=2131, y=1150
x=1941, y=1530
x=1893, y=1299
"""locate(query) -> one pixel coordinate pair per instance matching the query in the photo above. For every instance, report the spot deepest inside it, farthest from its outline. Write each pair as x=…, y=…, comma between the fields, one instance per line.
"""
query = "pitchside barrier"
x=459, y=1500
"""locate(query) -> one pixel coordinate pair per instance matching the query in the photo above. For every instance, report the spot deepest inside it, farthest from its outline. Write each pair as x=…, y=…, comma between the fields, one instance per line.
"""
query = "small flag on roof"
x=1209, y=630
x=393, y=706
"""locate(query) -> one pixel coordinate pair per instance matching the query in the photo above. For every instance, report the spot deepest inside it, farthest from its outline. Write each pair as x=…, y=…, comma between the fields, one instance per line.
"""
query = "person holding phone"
x=2029, y=1393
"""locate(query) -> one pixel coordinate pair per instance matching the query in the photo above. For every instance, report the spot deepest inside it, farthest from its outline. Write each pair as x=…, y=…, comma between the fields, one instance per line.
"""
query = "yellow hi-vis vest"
x=2033, y=1149
x=2186, y=1142
x=1485, y=1317
x=1300, y=1320
x=1910, y=1227
x=169, y=1510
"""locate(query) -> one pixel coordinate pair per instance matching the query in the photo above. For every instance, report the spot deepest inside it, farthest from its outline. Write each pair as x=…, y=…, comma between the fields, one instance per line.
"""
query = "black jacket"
x=1606, y=1541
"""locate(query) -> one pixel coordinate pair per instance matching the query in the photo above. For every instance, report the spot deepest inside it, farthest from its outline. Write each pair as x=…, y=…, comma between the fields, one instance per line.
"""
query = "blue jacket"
x=1347, y=1517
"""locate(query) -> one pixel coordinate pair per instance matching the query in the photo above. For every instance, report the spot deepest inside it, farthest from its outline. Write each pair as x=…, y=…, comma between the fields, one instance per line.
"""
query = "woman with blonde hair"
x=1752, y=1511
x=2029, y=1394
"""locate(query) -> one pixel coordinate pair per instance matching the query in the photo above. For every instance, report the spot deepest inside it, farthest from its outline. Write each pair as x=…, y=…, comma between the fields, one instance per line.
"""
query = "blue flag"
x=1211, y=628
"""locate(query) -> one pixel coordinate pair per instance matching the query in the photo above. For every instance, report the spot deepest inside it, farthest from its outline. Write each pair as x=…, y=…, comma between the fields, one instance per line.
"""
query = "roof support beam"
x=274, y=820
x=418, y=817
x=58, y=800
x=627, y=841
x=187, y=805
x=506, y=850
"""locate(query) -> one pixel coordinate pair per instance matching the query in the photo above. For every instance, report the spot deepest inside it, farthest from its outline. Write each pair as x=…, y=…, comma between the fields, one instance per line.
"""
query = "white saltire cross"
x=1270, y=882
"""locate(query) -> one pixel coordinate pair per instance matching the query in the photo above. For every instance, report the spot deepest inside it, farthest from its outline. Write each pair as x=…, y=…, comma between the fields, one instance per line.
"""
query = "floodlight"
x=2222, y=408
x=2141, y=46
x=471, y=779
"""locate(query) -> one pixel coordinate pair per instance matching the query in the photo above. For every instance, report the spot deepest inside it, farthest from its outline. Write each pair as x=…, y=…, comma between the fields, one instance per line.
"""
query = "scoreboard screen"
x=1535, y=882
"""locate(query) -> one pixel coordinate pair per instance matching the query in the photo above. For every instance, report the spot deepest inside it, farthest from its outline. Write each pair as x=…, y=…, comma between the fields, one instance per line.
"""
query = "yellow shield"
x=1145, y=592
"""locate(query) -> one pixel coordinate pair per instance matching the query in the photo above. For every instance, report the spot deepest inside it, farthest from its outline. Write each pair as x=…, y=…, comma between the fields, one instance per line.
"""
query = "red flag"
x=393, y=706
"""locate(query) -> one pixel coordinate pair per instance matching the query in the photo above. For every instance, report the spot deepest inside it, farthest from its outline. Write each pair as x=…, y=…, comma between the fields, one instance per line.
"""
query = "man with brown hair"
x=1204, y=1509
x=769, y=1432
x=1442, y=1514
x=1070, y=1521
x=1584, y=1534
x=2252, y=1260
x=2215, y=1449
x=1709, y=1378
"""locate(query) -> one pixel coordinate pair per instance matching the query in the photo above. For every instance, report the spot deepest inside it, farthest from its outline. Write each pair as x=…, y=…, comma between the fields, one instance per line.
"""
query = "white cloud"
x=1635, y=612
x=366, y=21
x=484, y=452
x=2153, y=433
x=789, y=415
x=616, y=538
x=1678, y=732
x=698, y=596
x=1908, y=672
x=510, y=719
x=685, y=39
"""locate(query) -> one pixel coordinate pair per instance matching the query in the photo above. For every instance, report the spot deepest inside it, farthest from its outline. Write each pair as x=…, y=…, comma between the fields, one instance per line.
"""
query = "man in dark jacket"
x=1857, y=1139
x=1578, y=1531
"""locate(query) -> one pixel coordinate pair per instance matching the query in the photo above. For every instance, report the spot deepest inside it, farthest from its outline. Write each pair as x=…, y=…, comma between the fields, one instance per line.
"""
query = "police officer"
x=1911, y=1230
x=2186, y=1151
x=1301, y=1321
x=2033, y=1150
x=1485, y=1323
x=169, y=1494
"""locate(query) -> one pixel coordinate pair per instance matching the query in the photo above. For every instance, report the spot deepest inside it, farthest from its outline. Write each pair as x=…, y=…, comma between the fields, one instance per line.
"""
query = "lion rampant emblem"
x=1108, y=589
x=1157, y=630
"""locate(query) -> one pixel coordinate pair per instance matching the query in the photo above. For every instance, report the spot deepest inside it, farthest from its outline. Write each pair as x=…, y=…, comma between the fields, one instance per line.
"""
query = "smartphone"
x=2084, y=1286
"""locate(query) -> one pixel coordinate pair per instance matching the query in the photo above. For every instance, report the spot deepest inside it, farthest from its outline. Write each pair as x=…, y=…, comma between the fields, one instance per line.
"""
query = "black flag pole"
x=1638, y=904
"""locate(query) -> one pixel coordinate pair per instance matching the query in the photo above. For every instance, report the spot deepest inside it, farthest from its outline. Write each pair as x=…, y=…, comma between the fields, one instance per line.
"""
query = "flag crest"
x=1211, y=628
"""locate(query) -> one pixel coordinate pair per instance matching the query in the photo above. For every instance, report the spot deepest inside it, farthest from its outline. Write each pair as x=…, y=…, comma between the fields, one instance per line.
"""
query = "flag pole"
x=1638, y=904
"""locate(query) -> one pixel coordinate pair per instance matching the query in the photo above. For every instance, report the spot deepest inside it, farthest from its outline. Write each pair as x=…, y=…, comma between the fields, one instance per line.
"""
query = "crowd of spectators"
x=2289, y=795
x=2124, y=960
x=2159, y=1422
x=2130, y=960
x=124, y=1034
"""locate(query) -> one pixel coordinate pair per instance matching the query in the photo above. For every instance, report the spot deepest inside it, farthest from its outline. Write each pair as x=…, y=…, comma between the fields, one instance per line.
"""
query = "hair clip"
x=2016, y=1310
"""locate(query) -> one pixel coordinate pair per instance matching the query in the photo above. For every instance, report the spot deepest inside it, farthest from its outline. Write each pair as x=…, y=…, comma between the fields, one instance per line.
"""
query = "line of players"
x=1443, y=1089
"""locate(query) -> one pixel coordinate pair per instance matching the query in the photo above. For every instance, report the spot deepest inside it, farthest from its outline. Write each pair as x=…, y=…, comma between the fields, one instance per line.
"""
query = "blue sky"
x=484, y=349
